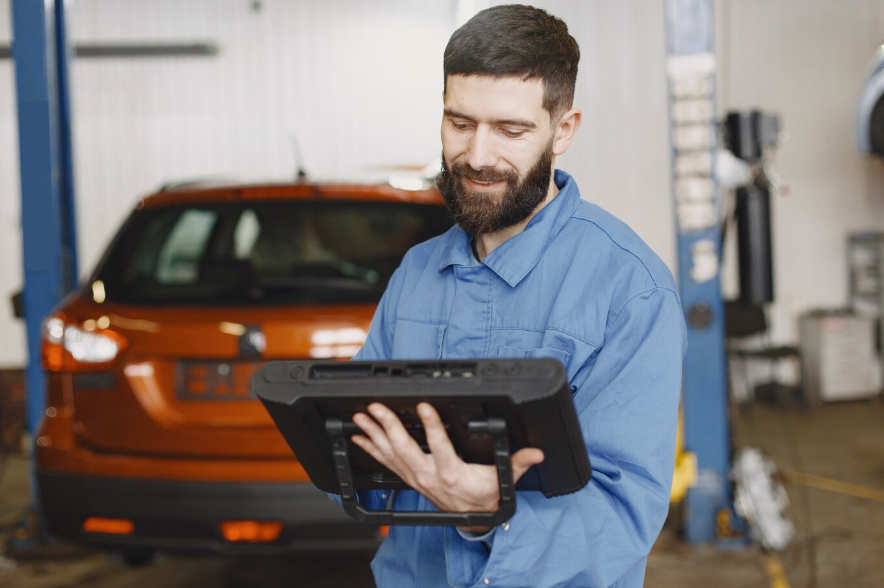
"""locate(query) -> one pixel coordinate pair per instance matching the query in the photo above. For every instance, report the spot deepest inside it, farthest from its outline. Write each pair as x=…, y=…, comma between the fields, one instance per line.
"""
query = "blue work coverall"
x=579, y=286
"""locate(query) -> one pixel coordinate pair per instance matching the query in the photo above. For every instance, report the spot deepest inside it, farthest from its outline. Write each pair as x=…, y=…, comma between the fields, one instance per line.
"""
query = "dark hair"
x=517, y=40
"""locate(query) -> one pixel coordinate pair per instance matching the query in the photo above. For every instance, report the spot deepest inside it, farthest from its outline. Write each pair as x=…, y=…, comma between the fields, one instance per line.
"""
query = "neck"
x=488, y=242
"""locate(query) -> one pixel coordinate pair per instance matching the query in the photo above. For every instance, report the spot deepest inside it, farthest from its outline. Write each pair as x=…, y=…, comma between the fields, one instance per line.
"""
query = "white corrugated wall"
x=358, y=82
x=12, y=332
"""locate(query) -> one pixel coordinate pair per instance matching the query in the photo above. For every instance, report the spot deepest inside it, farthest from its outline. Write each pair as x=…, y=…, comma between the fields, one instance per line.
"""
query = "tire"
x=137, y=558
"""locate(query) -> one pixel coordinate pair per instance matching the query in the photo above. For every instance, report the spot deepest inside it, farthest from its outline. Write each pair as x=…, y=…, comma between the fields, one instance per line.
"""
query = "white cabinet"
x=839, y=359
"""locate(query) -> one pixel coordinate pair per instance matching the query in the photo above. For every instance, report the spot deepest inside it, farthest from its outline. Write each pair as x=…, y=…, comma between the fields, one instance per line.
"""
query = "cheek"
x=453, y=144
x=520, y=158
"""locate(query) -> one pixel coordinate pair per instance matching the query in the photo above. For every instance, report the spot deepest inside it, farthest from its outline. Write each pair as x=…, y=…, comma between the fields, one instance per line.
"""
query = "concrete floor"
x=840, y=538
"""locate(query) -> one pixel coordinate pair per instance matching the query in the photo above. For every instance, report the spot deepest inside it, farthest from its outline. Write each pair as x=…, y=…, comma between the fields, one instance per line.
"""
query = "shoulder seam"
x=624, y=305
x=614, y=241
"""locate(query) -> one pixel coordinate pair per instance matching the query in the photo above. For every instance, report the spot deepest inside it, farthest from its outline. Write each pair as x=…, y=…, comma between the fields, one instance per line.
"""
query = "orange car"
x=152, y=440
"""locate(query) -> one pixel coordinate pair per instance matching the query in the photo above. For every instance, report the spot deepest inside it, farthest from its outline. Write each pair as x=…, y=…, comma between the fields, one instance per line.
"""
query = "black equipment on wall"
x=870, y=110
x=747, y=134
x=754, y=243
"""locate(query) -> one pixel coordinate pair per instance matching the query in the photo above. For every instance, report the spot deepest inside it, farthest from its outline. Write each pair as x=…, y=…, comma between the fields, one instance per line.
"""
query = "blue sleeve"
x=627, y=404
x=486, y=538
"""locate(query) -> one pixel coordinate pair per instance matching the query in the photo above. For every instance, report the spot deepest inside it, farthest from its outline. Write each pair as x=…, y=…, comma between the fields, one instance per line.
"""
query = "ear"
x=568, y=124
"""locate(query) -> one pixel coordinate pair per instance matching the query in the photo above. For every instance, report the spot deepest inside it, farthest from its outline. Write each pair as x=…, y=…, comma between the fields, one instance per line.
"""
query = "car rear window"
x=259, y=253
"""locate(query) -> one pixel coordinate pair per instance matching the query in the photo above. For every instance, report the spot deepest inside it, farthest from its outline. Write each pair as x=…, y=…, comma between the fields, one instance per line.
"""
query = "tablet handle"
x=496, y=427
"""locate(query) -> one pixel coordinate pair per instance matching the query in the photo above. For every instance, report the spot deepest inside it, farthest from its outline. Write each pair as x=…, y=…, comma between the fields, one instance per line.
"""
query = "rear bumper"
x=183, y=516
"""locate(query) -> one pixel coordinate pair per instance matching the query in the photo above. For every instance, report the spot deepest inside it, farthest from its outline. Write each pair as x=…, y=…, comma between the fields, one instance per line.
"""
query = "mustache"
x=463, y=170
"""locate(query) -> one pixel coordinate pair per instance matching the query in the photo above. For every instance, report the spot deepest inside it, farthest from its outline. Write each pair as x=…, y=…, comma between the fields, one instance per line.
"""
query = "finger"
x=402, y=443
x=370, y=448
x=446, y=458
x=374, y=432
x=523, y=459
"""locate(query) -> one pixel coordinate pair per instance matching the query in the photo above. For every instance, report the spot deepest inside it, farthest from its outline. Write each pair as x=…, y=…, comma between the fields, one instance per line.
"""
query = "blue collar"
x=518, y=255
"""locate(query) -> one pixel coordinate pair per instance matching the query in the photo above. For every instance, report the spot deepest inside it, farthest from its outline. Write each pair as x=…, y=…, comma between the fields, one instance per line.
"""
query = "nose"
x=480, y=152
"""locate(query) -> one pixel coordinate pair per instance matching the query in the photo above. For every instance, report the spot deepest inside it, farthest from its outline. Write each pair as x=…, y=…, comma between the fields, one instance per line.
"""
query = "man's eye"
x=460, y=126
x=512, y=134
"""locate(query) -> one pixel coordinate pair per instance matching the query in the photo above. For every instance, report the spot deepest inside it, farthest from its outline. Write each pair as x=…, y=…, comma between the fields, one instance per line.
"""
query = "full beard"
x=489, y=212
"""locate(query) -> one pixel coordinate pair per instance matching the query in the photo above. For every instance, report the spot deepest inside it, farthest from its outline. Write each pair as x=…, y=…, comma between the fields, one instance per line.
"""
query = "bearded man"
x=530, y=270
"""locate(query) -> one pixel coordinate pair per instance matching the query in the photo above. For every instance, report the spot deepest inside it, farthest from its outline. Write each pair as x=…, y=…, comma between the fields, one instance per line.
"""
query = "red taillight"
x=108, y=526
x=251, y=531
x=76, y=348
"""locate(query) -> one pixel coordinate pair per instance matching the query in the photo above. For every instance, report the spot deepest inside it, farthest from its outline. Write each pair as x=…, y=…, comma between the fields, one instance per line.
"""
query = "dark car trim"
x=95, y=380
x=183, y=516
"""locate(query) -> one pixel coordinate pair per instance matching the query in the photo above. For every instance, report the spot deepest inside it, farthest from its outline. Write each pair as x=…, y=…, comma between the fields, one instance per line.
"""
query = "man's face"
x=497, y=151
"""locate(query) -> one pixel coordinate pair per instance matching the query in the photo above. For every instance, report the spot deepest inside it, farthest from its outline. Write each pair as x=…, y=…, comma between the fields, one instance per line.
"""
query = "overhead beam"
x=133, y=50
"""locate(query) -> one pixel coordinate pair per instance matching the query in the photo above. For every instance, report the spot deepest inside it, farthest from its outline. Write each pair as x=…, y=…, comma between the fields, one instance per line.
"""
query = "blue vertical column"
x=691, y=66
x=63, y=53
x=47, y=202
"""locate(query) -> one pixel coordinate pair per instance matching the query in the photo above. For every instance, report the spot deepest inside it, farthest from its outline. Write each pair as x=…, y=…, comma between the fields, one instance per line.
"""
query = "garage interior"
x=235, y=92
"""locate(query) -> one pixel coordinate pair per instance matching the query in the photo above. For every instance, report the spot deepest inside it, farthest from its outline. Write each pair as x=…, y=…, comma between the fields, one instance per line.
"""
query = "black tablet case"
x=531, y=396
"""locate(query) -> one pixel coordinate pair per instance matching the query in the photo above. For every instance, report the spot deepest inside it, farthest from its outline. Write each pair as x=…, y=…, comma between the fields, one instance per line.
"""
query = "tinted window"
x=259, y=253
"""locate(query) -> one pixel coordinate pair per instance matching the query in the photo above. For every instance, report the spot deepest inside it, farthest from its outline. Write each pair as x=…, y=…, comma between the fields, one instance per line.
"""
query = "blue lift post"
x=691, y=67
x=40, y=53
x=63, y=52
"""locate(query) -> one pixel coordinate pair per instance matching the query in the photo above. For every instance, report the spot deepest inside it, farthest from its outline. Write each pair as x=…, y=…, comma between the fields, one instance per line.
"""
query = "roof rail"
x=192, y=183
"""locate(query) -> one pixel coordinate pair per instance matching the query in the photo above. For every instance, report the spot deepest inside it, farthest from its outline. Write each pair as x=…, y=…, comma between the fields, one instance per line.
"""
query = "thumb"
x=524, y=459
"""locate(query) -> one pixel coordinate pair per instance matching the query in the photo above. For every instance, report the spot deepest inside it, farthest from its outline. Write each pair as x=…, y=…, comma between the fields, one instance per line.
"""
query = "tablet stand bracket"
x=496, y=427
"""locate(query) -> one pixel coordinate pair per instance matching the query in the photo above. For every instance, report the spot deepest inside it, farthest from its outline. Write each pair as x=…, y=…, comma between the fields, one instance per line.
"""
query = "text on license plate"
x=216, y=380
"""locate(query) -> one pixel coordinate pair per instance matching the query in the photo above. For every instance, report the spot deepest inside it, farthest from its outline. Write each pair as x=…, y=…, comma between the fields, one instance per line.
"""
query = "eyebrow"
x=501, y=121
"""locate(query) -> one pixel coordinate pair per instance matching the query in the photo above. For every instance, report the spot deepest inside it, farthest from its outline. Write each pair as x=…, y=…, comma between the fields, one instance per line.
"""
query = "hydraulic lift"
x=40, y=50
x=691, y=68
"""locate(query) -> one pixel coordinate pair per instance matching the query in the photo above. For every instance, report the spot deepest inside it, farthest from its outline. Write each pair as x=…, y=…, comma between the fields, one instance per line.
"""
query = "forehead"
x=484, y=98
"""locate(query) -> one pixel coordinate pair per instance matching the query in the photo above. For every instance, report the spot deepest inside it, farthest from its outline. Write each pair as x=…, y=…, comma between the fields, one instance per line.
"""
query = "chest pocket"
x=416, y=340
x=516, y=353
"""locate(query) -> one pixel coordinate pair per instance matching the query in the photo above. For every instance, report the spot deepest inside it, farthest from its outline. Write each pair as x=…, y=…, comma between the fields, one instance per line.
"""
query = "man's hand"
x=442, y=476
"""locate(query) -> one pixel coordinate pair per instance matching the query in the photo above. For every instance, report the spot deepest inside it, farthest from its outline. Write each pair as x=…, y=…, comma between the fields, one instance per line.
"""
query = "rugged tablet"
x=490, y=408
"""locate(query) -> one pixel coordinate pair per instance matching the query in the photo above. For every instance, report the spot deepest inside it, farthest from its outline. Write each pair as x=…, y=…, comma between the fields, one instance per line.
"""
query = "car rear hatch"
x=182, y=387
x=201, y=293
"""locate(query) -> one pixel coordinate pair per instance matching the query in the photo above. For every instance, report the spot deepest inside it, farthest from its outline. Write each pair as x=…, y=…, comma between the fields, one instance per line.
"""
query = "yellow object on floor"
x=831, y=485
x=775, y=572
x=685, y=474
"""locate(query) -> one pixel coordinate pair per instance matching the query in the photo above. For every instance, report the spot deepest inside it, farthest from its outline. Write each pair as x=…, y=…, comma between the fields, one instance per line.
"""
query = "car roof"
x=197, y=193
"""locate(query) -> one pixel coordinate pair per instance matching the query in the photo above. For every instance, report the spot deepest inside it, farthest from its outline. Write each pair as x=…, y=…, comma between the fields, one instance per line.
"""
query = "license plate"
x=216, y=380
